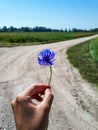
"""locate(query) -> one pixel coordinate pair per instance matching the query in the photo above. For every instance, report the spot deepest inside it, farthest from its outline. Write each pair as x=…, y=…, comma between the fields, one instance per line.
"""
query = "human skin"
x=27, y=114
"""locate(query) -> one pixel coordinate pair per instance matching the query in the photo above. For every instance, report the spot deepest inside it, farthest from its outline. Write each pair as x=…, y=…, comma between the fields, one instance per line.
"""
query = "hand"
x=27, y=114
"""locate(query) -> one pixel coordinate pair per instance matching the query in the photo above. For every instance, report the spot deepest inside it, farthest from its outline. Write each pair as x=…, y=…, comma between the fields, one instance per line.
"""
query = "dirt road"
x=75, y=105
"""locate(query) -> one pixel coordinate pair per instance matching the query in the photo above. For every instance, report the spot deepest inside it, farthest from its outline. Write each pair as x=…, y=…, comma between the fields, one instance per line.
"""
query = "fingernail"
x=48, y=90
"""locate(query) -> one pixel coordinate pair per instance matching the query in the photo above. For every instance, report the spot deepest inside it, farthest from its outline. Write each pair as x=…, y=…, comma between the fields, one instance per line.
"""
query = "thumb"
x=47, y=101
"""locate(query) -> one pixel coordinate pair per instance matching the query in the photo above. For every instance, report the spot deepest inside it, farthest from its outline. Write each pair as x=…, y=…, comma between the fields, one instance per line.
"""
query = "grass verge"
x=80, y=57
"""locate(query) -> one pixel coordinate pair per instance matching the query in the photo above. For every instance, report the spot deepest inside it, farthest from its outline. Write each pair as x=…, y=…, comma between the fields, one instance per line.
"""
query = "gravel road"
x=75, y=105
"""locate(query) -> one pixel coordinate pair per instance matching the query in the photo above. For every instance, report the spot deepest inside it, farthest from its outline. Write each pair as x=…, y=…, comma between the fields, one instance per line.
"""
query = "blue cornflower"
x=46, y=57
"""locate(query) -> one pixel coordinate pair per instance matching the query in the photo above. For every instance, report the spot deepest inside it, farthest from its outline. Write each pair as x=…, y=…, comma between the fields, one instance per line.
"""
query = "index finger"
x=35, y=89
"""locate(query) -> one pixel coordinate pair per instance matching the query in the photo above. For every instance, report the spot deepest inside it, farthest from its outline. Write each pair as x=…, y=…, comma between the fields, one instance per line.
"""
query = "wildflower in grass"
x=46, y=58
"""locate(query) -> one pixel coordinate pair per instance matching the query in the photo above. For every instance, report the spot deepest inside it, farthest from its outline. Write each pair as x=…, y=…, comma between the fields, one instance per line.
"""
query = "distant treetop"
x=43, y=29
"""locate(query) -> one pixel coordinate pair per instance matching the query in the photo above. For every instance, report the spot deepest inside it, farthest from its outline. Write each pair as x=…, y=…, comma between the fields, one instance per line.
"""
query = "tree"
x=25, y=29
x=65, y=30
x=74, y=30
x=0, y=30
x=4, y=29
x=12, y=29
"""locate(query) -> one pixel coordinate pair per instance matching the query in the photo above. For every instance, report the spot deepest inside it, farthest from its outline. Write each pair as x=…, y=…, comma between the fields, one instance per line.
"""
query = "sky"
x=56, y=14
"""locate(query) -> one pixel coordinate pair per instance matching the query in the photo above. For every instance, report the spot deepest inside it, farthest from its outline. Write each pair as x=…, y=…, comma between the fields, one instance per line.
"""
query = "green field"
x=36, y=38
x=80, y=57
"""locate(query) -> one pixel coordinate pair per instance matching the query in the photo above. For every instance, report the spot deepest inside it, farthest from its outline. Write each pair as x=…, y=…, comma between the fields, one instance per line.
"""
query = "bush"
x=94, y=49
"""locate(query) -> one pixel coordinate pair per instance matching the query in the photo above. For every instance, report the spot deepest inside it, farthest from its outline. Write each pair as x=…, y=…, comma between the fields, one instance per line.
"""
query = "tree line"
x=43, y=29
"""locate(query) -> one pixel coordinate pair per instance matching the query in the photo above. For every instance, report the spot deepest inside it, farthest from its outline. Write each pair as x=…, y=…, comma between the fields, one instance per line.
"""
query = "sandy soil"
x=75, y=105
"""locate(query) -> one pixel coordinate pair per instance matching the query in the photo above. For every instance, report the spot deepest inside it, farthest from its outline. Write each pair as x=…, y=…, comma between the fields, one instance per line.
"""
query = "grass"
x=80, y=57
x=36, y=38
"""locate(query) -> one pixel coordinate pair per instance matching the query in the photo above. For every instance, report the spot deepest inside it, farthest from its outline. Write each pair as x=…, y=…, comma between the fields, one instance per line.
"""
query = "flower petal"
x=46, y=57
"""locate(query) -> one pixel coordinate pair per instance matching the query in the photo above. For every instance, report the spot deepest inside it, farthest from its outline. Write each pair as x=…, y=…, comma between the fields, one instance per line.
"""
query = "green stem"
x=50, y=75
x=49, y=84
x=47, y=124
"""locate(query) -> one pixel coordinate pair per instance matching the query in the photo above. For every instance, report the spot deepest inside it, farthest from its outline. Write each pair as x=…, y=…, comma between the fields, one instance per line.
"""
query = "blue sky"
x=58, y=14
